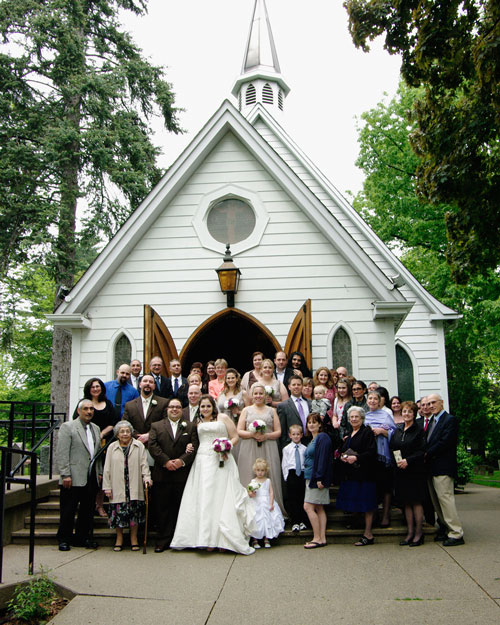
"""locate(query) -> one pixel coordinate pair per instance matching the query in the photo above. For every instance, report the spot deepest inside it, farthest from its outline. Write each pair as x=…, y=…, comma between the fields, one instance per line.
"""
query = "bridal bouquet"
x=222, y=446
x=257, y=426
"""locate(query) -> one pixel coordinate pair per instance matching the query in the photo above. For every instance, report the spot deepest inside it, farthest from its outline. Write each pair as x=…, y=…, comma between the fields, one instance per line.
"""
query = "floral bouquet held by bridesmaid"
x=257, y=426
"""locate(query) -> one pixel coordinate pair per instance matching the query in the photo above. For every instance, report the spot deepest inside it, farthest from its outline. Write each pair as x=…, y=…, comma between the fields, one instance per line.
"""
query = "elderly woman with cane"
x=126, y=472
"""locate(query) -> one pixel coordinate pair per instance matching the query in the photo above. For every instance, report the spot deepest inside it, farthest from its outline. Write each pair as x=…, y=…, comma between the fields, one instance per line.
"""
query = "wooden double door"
x=231, y=334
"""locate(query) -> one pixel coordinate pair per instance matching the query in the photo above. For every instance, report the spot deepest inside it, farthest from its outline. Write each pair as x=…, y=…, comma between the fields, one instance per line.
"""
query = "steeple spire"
x=260, y=79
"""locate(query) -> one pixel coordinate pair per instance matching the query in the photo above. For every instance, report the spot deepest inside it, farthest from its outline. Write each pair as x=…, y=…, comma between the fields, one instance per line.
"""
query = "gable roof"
x=389, y=301
x=339, y=207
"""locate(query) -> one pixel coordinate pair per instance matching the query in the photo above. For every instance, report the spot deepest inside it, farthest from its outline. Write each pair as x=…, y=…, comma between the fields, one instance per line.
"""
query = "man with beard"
x=146, y=409
x=119, y=391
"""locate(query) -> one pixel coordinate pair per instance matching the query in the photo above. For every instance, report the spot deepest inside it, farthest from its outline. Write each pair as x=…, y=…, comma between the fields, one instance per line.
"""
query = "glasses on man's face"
x=174, y=408
x=357, y=388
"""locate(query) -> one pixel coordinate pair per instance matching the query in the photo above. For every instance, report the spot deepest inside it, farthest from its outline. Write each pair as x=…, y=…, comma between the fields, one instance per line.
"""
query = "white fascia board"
x=70, y=321
x=439, y=310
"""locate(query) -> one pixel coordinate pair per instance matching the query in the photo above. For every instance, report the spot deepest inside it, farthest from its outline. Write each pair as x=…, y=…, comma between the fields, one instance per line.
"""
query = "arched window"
x=251, y=95
x=123, y=351
x=341, y=350
x=267, y=94
x=404, y=366
x=280, y=100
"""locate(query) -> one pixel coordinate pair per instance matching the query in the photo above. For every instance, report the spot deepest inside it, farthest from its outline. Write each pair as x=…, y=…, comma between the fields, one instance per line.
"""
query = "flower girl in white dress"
x=268, y=516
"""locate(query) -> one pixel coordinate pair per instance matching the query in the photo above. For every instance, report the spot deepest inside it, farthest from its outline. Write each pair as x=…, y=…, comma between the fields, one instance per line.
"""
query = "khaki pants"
x=441, y=488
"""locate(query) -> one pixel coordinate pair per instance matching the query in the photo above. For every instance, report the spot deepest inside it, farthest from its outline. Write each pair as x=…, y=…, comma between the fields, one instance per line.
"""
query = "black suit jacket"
x=181, y=392
x=289, y=415
x=163, y=446
x=287, y=376
x=441, y=447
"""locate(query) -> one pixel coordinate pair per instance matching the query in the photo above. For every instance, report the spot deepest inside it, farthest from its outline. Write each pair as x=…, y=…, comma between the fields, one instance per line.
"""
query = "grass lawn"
x=487, y=480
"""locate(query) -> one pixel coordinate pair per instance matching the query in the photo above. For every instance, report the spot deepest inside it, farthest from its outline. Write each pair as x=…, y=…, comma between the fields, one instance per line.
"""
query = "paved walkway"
x=384, y=584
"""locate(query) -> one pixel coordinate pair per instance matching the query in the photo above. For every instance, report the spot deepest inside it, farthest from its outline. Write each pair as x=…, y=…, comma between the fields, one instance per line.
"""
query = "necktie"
x=118, y=402
x=158, y=383
x=298, y=468
x=432, y=425
x=176, y=386
x=301, y=413
x=426, y=424
x=90, y=440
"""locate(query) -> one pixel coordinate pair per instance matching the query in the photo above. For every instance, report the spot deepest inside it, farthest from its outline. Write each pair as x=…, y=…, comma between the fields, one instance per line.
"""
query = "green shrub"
x=465, y=467
x=32, y=601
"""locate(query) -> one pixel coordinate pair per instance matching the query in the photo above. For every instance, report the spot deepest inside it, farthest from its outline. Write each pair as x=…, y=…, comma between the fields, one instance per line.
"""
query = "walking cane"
x=146, y=496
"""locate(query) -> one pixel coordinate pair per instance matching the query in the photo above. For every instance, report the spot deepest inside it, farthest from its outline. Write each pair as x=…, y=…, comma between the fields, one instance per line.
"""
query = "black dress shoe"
x=160, y=549
x=64, y=547
x=404, y=543
x=453, y=542
x=90, y=544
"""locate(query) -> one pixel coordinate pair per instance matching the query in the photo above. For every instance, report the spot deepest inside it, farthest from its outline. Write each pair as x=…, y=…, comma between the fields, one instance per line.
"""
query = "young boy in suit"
x=292, y=466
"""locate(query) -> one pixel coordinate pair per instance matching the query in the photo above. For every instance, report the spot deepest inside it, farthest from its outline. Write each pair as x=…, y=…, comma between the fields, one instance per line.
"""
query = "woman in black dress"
x=409, y=480
x=358, y=490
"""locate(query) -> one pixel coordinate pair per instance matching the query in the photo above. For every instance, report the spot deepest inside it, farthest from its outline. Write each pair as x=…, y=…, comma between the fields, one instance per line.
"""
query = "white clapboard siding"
x=417, y=332
x=169, y=270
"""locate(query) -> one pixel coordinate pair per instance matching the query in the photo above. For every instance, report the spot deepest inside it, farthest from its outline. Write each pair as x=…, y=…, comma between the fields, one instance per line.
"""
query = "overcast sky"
x=202, y=43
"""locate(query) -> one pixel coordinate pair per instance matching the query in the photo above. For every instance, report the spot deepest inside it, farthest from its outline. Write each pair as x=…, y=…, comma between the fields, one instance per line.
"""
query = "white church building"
x=314, y=276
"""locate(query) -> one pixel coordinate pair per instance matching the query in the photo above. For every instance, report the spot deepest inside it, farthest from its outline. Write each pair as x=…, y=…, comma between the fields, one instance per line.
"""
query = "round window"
x=231, y=220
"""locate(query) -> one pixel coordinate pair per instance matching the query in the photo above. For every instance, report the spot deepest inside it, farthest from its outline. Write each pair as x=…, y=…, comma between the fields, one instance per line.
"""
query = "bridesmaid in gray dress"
x=232, y=400
x=249, y=448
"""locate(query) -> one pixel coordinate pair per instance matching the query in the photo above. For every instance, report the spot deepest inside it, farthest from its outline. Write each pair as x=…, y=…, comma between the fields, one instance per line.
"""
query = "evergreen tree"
x=76, y=96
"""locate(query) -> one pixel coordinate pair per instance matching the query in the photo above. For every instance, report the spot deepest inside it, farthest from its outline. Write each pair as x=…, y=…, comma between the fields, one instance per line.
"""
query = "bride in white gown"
x=216, y=511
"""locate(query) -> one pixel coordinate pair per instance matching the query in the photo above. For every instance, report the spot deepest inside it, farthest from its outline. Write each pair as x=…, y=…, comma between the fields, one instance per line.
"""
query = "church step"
x=105, y=537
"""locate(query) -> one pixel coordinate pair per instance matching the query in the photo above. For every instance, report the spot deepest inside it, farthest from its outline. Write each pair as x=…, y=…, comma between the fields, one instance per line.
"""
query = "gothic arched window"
x=404, y=366
x=267, y=94
x=123, y=352
x=341, y=350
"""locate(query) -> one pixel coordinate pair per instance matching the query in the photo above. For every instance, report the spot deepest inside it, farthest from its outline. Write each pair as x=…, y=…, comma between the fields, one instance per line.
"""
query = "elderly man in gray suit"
x=78, y=443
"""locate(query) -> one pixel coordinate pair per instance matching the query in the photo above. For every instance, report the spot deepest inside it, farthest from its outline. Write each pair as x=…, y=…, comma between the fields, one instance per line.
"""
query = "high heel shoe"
x=405, y=542
x=418, y=542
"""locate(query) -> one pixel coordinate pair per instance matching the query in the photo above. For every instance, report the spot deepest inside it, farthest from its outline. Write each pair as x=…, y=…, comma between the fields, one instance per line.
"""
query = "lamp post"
x=229, y=277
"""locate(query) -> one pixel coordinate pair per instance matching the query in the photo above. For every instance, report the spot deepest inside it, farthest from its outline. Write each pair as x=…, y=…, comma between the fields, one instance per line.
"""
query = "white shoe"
x=255, y=545
x=296, y=528
x=267, y=545
x=302, y=526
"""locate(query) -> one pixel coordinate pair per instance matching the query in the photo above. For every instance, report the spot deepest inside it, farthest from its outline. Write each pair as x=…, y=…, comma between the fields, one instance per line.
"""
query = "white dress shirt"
x=288, y=461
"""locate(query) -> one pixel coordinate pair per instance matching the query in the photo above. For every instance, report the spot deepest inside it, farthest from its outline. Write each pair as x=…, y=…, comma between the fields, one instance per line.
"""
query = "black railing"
x=28, y=425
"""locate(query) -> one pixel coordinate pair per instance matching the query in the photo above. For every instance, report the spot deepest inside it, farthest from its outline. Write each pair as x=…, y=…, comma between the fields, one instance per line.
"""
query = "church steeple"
x=260, y=79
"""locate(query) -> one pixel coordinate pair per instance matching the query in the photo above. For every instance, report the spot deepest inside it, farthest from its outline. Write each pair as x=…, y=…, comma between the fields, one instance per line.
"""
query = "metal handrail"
x=6, y=453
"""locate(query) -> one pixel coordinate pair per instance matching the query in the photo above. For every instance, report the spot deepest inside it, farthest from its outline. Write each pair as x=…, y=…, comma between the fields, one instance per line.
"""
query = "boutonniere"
x=154, y=402
x=182, y=425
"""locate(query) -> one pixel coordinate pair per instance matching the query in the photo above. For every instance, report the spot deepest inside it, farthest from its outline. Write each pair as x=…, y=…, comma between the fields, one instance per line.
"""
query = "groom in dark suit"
x=168, y=443
x=441, y=461
x=293, y=411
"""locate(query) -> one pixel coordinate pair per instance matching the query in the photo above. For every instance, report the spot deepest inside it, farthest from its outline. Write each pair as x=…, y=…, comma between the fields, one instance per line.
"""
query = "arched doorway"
x=230, y=334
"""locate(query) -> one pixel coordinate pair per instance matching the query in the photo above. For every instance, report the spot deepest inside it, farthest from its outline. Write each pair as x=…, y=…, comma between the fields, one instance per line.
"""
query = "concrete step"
x=106, y=537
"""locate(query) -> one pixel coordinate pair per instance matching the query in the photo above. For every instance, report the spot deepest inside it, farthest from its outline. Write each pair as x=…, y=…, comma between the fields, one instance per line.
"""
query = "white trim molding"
x=225, y=192
x=110, y=357
x=354, y=346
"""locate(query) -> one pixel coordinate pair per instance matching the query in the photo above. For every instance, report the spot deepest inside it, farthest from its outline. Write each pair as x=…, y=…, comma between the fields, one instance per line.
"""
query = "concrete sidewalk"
x=381, y=584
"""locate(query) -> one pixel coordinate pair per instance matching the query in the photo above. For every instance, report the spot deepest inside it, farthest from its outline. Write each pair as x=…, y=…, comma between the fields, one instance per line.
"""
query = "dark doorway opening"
x=232, y=335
